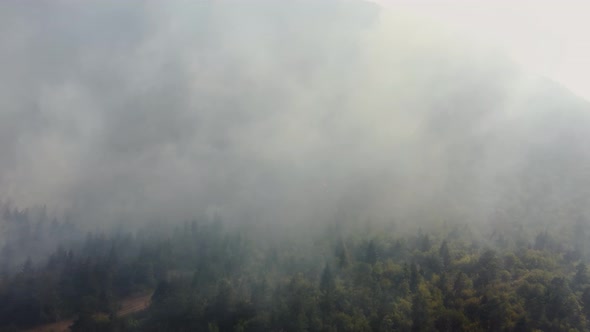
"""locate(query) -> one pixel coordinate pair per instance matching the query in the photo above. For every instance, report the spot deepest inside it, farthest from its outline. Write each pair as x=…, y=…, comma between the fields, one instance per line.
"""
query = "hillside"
x=283, y=166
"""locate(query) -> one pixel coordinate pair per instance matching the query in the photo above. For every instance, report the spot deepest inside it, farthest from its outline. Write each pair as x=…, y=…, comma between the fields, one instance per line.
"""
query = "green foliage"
x=207, y=277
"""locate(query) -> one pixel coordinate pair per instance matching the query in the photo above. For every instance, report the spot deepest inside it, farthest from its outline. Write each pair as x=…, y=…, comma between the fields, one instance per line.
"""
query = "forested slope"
x=210, y=277
x=347, y=168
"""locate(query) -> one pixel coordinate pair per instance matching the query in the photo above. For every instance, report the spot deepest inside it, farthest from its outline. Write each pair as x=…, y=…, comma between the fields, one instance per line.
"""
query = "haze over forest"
x=277, y=112
x=334, y=119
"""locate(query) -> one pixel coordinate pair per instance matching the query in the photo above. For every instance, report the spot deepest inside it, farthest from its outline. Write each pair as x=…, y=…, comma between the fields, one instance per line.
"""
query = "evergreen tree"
x=371, y=255
x=445, y=254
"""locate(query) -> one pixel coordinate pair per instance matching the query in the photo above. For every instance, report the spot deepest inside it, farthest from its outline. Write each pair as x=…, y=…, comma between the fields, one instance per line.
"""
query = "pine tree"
x=371, y=255
x=445, y=254
x=342, y=254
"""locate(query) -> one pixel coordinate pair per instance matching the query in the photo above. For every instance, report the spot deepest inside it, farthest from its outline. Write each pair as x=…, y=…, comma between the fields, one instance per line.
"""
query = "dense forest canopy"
x=283, y=166
x=206, y=276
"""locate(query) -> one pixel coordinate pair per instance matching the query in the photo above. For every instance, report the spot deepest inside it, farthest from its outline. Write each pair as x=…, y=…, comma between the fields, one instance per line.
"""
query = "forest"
x=266, y=165
x=207, y=276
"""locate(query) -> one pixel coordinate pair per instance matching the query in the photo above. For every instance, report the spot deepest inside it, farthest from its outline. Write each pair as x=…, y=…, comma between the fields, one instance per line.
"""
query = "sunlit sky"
x=547, y=38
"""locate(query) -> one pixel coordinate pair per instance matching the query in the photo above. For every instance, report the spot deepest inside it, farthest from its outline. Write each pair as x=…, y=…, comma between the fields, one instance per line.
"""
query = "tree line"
x=210, y=277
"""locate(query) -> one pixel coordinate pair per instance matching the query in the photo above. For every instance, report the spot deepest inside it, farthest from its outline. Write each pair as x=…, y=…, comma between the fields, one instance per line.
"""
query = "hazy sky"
x=548, y=38
x=288, y=111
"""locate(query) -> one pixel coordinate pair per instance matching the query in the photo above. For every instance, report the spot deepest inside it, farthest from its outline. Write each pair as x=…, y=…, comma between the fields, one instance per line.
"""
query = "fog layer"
x=280, y=112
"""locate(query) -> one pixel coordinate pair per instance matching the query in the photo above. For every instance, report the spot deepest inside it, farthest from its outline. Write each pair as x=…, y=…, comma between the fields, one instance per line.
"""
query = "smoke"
x=293, y=113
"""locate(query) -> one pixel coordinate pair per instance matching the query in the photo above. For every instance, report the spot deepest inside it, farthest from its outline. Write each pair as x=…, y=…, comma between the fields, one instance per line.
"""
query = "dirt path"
x=134, y=304
x=129, y=306
x=61, y=326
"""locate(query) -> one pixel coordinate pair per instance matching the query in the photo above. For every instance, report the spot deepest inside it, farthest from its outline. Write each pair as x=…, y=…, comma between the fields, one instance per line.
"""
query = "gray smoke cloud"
x=298, y=112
